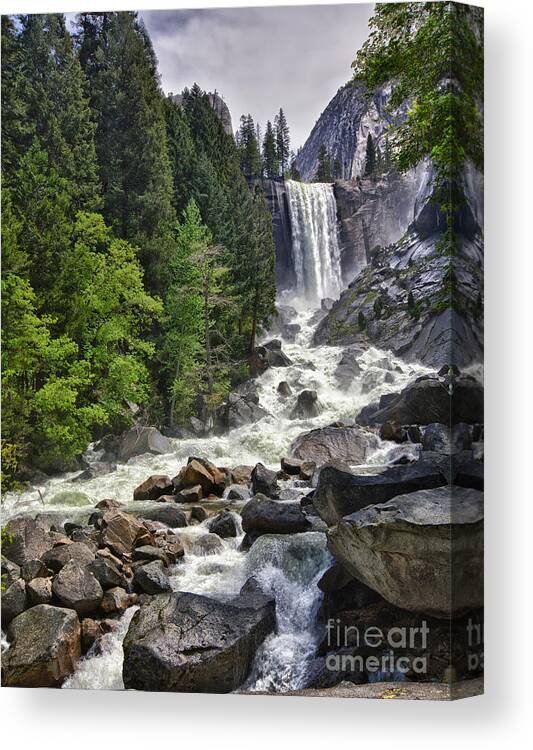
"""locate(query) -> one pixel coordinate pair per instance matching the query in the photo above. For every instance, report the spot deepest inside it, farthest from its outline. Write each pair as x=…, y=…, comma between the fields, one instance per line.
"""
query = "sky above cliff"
x=261, y=59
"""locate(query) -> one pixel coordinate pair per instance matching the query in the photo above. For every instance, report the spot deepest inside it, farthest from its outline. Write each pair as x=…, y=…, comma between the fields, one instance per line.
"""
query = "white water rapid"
x=315, y=245
x=287, y=568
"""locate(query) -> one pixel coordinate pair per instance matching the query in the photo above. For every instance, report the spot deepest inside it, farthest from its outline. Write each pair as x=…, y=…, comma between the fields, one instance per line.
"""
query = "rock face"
x=348, y=444
x=423, y=551
x=189, y=643
x=429, y=399
x=141, y=440
x=276, y=196
x=340, y=493
x=44, y=647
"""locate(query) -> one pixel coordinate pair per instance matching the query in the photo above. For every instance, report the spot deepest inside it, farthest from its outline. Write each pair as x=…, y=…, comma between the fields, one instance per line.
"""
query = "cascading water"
x=315, y=246
x=287, y=568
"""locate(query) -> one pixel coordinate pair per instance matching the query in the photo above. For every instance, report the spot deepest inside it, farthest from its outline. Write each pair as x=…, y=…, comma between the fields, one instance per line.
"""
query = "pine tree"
x=249, y=147
x=370, y=159
x=16, y=127
x=270, y=154
x=262, y=267
x=181, y=153
x=282, y=140
x=337, y=169
x=323, y=172
x=293, y=169
x=131, y=135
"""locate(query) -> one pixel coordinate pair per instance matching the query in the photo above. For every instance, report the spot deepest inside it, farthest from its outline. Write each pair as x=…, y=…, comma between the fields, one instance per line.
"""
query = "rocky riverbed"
x=331, y=565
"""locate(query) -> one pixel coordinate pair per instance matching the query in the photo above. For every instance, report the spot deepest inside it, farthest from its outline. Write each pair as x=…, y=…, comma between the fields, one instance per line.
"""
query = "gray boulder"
x=44, y=647
x=39, y=591
x=265, y=516
x=306, y=406
x=14, y=601
x=224, y=525
x=189, y=643
x=25, y=540
x=58, y=557
x=141, y=440
x=151, y=578
x=349, y=444
x=340, y=492
x=423, y=552
x=264, y=481
x=268, y=355
x=170, y=515
x=77, y=588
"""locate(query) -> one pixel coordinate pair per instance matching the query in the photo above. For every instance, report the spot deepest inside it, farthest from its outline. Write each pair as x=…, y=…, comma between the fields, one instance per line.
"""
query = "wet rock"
x=348, y=444
x=25, y=540
x=268, y=355
x=189, y=494
x=207, y=544
x=14, y=601
x=307, y=470
x=44, y=647
x=120, y=531
x=238, y=492
x=170, y=515
x=284, y=389
x=341, y=492
x=39, y=591
x=77, y=588
x=239, y=409
x=242, y=474
x=106, y=572
x=306, y=406
x=393, y=431
x=265, y=516
x=291, y=465
x=224, y=525
x=198, y=513
x=96, y=469
x=117, y=600
x=153, y=487
x=423, y=551
x=264, y=481
x=58, y=557
x=436, y=437
x=200, y=471
x=91, y=630
x=141, y=440
x=428, y=400
x=149, y=553
x=151, y=578
x=348, y=368
x=462, y=436
x=414, y=433
x=190, y=643
x=108, y=504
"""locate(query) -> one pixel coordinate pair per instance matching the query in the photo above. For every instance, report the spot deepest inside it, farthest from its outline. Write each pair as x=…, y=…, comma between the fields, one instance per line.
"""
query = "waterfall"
x=315, y=246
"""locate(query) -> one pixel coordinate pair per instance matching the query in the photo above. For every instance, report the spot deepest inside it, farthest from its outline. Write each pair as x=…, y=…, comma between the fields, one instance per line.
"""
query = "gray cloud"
x=261, y=58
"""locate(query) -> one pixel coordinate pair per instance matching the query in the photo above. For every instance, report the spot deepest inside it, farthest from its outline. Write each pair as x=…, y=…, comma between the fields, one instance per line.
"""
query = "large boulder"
x=76, y=587
x=423, y=551
x=429, y=399
x=348, y=368
x=349, y=444
x=200, y=471
x=25, y=540
x=39, y=591
x=261, y=515
x=168, y=514
x=151, y=578
x=153, y=487
x=268, y=355
x=264, y=481
x=120, y=531
x=58, y=557
x=340, y=492
x=241, y=407
x=306, y=406
x=141, y=440
x=14, y=601
x=44, y=647
x=189, y=643
x=224, y=525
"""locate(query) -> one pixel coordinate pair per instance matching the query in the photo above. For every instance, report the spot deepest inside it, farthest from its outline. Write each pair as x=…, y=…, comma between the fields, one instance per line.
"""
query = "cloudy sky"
x=261, y=59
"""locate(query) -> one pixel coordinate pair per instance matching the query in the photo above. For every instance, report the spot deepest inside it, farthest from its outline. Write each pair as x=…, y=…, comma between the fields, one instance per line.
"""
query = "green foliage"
x=378, y=307
x=283, y=146
x=323, y=172
x=270, y=153
x=250, y=156
x=370, y=159
x=361, y=320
